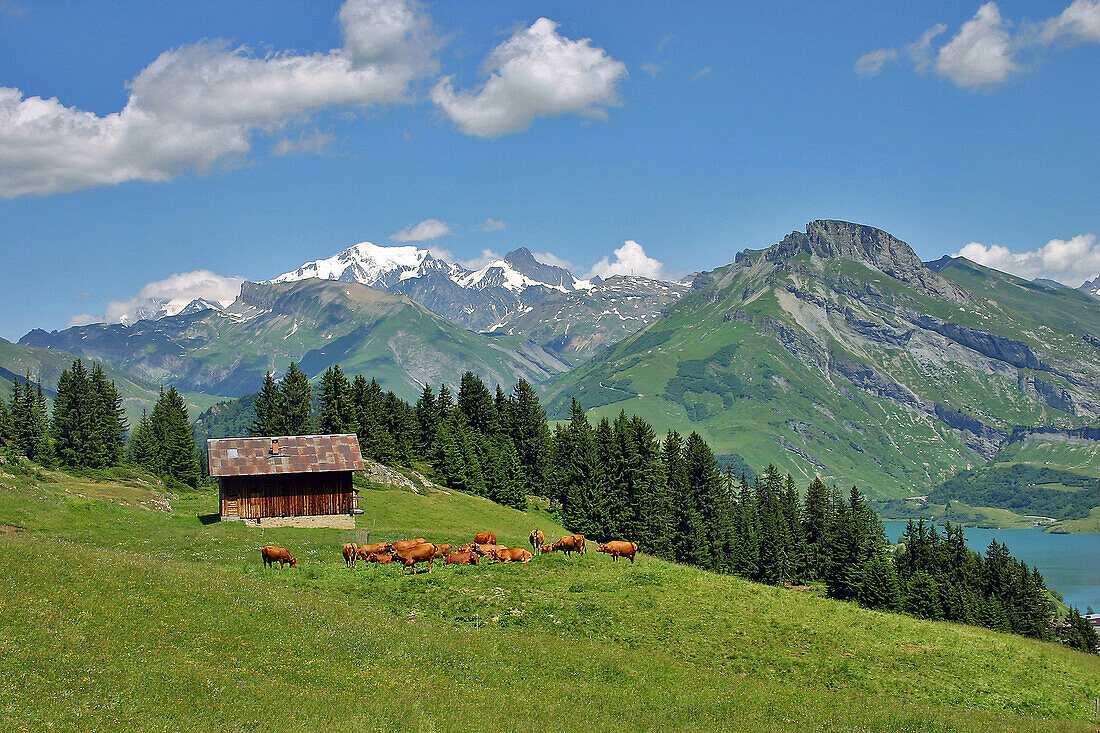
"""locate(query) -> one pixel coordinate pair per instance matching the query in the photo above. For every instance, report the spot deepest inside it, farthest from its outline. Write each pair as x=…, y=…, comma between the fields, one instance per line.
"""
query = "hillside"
x=559, y=642
x=46, y=365
x=317, y=323
x=837, y=352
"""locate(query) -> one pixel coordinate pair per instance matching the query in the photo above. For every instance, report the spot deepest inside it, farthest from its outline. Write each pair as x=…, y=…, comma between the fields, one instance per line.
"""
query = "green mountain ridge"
x=837, y=352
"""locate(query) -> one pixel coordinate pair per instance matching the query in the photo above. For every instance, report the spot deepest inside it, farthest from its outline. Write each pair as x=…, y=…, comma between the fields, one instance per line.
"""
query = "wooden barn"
x=302, y=480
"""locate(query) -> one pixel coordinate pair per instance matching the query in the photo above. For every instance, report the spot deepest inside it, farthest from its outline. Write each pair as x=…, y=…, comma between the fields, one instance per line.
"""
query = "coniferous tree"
x=108, y=421
x=5, y=422
x=878, y=584
x=26, y=422
x=815, y=526
x=144, y=450
x=1078, y=633
x=581, y=475
x=297, y=402
x=72, y=431
x=269, y=408
x=427, y=421
x=476, y=403
x=375, y=441
x=335, y=411
x=172, y=428
x=445, y=402
x=508, y=488
x=530, y=433
x=689, y=541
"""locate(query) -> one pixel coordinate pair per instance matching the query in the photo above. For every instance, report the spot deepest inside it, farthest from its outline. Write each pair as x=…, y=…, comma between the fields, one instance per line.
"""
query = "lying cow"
x=351, y=554
x=418, y=553
x=462, y=558
x=271, y=553
x=487, y=550
x=536, y=539
x=517, y=554
x=381, y=557
x=485, y=538
x=617, y=549
x=442, y=551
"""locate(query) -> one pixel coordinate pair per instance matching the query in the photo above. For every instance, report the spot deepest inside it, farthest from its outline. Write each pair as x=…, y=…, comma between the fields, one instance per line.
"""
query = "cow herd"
x=484, y=548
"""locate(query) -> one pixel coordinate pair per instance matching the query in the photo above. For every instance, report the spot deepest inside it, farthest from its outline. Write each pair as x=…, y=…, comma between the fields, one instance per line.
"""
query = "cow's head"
x=601, y=548
x=293, y=562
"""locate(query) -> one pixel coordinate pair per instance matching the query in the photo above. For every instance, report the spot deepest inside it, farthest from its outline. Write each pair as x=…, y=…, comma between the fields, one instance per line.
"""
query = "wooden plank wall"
x=291, y=495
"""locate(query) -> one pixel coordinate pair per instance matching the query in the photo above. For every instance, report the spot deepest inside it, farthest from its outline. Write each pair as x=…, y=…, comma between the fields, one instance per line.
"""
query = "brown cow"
x=462, y=558
x=569, y=544
x=485, y=538
x=418, y=553
x=351, y=554
x=548, y=547
x=378, y=547
x=517, y=554
x=406, y=544
x=442, y=550
x=271, y=553
x=580, y=543
x=536, y=539
x=487, y=550
x=381, y=557
x=617, y=549
x=468, y=547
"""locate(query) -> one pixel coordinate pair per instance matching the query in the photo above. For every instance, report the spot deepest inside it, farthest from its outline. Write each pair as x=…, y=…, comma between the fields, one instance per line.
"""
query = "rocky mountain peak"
x=1092, y=287
x=523, y=262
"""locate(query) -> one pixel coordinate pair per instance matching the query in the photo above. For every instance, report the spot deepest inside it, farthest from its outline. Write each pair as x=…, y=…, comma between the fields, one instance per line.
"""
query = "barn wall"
x=290, y=495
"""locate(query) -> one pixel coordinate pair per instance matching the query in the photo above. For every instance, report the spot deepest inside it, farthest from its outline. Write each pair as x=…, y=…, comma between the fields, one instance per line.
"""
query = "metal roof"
x=283, y=454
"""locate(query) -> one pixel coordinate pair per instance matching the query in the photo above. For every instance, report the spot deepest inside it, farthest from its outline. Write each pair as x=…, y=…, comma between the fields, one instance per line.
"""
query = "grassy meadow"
x=115, y=613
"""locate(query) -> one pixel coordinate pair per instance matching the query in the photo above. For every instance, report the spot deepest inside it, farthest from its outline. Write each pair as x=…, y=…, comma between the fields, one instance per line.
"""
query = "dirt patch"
x=10, y=529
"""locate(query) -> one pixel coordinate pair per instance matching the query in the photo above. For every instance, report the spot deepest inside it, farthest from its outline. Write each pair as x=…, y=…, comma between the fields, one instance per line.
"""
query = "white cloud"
x=630, y=259
x=198, y=106
x=168, y=297
x=535, y=73
x=871, y=63
x=985, y=51
x=1079, y=22
x=314, y=143
x=425, y=231
x=441, y=253
x=476, y=263
x=492, y=225
x=549, y=258
x=651, y=68
x=1069, y=261
x=981, y=52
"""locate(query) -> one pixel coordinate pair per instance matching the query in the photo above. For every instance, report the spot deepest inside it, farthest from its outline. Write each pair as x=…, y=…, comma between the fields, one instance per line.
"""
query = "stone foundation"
x=322, y=521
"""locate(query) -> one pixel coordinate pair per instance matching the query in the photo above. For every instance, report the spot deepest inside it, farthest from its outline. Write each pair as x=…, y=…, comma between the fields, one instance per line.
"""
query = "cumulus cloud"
x=985, y=51
x=476, y=263
x=198, y=106
x=549, y=258
x=425, y=231
x=535, y=73
x=630, y=259
x=168, y=297
x=1069, y=261
x=492, y=225
x=980, y=53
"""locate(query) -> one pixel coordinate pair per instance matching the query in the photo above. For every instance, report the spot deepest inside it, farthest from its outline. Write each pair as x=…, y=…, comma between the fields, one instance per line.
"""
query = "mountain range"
x=834, y=352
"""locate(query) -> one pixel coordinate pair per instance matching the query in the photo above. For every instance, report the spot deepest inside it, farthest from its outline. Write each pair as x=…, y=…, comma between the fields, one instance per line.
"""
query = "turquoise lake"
x=1068, y=562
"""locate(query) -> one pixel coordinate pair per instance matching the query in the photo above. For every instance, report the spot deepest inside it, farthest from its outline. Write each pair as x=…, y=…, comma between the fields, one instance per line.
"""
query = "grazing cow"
x=517, y=554
x=617, y=549
x=271, y=553
x=406, y=544
x=351, y=554
x=536, y=539
x=418, y=553
x=485, y=538
x=442, y=551
x=462, y=558
x=548, y=547
x=381, y=557
x=580, y=543
x=569, y=544
x=377, y=547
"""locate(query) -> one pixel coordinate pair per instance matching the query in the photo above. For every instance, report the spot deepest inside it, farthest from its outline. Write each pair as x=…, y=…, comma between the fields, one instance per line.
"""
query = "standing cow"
x=271, y=553
x=536, y=539
x=351, y=554
x=617, y=549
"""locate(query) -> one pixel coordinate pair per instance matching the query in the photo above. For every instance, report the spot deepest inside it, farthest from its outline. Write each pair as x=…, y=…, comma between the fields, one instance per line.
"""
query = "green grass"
x=126, y=618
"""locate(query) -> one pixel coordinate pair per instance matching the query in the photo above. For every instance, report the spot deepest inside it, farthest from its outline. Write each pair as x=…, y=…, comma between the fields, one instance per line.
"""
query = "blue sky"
x=140, y=141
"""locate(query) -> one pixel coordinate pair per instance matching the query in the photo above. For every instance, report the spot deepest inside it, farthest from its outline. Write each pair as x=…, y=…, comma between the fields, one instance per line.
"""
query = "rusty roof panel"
x=283, y=454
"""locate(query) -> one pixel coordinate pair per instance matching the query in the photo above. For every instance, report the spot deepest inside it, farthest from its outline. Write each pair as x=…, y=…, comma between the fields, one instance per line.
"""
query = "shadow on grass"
x=209, y=518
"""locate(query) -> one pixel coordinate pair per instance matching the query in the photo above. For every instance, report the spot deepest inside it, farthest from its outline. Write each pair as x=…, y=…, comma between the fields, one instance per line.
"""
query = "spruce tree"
x=815, y=525
x=144, y=449
x=530, y=433
x=270, y=410
x=108, y=421
x=581, y=475
x=71, y=430
x=335, y=411
x=297, y=402
x=476, y=403
x=26, y=422
x=172, y=428
x=689, y=540
x=427, y=421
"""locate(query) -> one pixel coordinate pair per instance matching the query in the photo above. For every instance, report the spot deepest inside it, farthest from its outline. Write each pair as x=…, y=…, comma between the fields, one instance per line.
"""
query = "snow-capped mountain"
x=520, y=270
x=370, y=264
x=1092, y=287
x=154, y=309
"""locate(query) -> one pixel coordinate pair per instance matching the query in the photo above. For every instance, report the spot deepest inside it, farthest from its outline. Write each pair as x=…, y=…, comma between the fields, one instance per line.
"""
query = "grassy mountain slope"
x=130, y=615
x=46, y=365
x=317, y=323
x=836, y=352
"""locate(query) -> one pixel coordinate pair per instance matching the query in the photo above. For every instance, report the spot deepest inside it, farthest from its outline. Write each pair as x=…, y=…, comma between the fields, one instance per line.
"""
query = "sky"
x=175, y=148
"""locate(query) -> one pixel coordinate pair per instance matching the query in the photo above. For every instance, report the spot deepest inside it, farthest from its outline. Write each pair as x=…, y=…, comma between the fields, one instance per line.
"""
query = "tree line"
x=87, y=428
